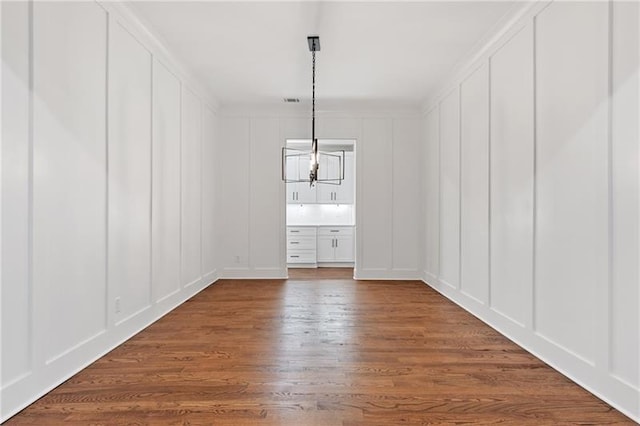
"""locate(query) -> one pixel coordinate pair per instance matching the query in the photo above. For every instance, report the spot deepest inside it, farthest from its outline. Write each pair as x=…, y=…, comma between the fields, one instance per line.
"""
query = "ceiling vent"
x=291, y=100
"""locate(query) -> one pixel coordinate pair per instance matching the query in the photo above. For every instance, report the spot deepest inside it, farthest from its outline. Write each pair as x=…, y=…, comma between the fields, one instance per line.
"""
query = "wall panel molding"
x=129, y=175
x=449, y=200
x=74, y=132
x=16, y=166
x=564, y=179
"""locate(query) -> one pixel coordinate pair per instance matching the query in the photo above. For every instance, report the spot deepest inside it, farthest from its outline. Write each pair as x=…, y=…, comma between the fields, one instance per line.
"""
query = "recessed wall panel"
x=165, y=214
x=450, y=189
x=129, y=173
x=512, y=158
x=233, y=186
x=571, y=172
x=208, y=191
x=264, y=186
x=16, y=291
x=191, y=188
x=69, y=186
x=406, y=192
x=625, y=321
x=433, y=191
x=474, y=185
x=375, y=197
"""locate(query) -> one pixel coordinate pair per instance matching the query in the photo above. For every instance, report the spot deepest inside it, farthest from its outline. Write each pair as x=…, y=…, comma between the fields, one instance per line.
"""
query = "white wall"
x=232, y=177
x=511, y=186
x=388, y=167
x=208, y=200
x=165, y=228
x=15, y=320
x=191, y=213
x=449, y=201
x=548, y=192
x=96, y=206
x=474, y=185
x=129, y=169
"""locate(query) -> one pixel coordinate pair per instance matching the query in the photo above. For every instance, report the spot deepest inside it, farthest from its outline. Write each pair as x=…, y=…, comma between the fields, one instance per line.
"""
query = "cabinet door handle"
x=293, y=255
x=334, y=230
x=333, y=242
x=294, y=230
x=336, y=243
x=294, y=242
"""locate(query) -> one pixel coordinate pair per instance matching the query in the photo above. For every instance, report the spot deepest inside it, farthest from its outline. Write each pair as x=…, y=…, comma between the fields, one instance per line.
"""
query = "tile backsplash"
x=320, y=214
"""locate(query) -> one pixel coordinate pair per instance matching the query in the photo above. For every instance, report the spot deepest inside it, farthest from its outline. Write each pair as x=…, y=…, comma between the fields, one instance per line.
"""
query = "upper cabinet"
x=299, y=192
x=322, y=193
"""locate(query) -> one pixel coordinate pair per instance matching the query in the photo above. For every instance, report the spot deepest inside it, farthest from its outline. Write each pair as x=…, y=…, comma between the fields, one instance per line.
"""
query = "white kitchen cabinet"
x=326, y=248
x=301, y=245
x=335, y=244
x=336, y=194
x=312, y=245
x=299, y=192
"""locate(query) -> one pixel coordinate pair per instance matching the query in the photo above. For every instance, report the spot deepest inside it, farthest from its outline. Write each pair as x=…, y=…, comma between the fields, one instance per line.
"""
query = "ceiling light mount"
x=314, y=43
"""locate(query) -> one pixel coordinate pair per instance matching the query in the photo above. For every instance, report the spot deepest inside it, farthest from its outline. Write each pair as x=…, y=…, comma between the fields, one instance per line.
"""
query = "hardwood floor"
x=318, y=352
x=320, y=273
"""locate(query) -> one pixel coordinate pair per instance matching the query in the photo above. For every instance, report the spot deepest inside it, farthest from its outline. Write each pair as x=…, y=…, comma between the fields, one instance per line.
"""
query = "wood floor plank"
x=318, y=349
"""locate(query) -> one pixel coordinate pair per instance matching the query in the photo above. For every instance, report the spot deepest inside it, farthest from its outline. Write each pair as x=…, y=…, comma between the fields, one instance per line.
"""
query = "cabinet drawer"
x=335, y=230
x=295, y=242
x=301, y=257
x=301, y=231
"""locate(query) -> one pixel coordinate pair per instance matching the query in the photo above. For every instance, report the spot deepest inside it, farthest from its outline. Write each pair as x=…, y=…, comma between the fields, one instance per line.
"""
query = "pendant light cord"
x=313, y=176
x=313, y=98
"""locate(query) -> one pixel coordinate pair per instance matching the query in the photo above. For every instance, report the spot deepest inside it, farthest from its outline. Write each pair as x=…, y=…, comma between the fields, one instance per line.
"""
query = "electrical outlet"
x=118, y=306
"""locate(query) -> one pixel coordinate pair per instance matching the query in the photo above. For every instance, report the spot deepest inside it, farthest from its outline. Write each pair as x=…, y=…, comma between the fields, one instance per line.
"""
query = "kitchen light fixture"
x=293, y=156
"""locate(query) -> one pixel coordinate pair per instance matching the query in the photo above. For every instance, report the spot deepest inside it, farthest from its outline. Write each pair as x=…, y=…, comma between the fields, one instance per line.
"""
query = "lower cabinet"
x=333, y=244
x=301, y=244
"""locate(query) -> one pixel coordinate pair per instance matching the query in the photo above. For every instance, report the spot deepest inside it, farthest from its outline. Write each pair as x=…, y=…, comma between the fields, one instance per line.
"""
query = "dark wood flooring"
x=318, y=352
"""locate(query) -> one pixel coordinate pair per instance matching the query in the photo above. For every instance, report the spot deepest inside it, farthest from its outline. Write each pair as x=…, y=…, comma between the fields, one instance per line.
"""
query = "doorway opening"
x=321, y=219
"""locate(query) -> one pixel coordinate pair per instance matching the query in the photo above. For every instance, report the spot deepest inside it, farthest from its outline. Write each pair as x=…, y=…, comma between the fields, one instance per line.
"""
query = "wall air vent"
x=291, y=100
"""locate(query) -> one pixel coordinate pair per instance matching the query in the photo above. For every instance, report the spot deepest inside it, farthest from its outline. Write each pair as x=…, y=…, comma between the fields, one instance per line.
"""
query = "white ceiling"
x=256, y=52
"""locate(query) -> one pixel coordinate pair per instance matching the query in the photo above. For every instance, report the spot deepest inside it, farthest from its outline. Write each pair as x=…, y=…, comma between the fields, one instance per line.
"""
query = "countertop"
x=315, y=225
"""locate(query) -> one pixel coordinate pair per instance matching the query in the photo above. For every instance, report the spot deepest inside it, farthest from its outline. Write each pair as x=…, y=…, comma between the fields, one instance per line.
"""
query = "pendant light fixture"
x=295, y=155
x=314, y=46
